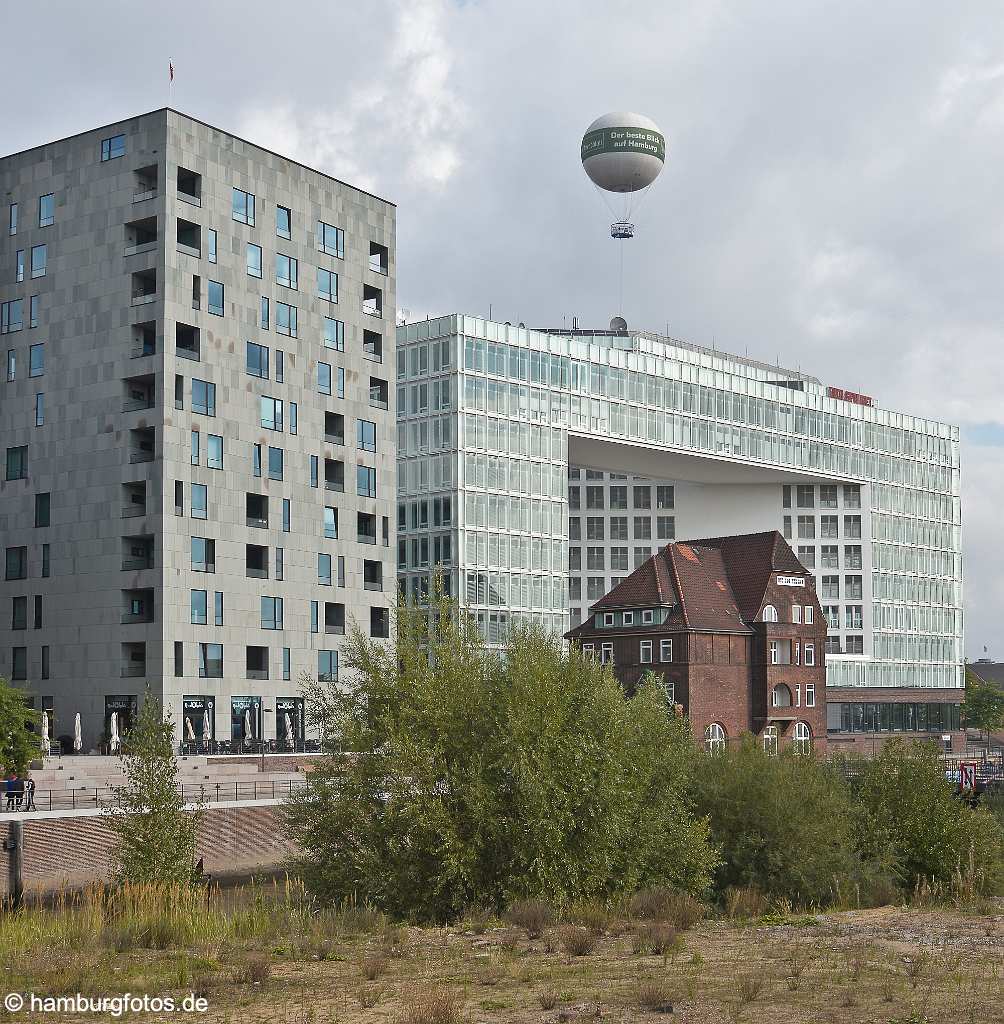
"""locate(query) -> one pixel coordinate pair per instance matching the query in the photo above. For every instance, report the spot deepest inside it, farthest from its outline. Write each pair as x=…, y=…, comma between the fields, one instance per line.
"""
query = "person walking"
x=18, y=791
x=29, y=794
x=9, y=789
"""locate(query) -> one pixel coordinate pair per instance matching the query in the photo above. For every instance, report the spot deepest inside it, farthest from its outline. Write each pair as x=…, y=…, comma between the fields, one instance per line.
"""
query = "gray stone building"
x=199, y=462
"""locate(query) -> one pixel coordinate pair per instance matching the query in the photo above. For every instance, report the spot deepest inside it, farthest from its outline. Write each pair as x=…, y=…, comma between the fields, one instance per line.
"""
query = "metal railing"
x=97, y=797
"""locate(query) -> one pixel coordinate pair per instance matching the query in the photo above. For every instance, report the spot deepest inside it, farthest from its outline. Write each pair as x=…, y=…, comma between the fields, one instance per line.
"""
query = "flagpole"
x=170, y=83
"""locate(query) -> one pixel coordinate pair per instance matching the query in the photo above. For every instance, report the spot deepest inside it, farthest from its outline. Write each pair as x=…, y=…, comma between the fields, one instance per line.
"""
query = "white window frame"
x=801, y=741
x=796, y=614
x=647, y=617
x=645, y=652
x=629, y=618
x=664, y=646
x=715, y=738
x=810, y=695
x=775, y=652
x=810, y=657
x=769, y=614
x=808, y=617
x=588, y=650
x=770, y=739
x=607, y=653
x=608, y=618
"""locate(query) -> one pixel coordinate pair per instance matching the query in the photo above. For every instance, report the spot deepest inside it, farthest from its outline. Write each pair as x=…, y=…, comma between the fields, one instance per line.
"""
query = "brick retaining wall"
x=71, y=852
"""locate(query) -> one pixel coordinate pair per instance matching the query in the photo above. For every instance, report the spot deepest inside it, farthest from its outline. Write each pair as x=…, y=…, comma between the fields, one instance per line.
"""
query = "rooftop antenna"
x=489, y=311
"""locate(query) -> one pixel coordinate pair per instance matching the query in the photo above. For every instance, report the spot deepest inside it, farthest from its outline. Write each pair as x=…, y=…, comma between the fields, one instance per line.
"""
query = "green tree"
x=19, y=746
x=155, y=834
x=785, y=824
x=910, y=810
x=473, y=778
x=984, y=705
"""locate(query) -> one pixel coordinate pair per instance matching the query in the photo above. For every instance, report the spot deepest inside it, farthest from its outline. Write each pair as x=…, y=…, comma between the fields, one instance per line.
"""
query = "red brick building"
x=734, y=628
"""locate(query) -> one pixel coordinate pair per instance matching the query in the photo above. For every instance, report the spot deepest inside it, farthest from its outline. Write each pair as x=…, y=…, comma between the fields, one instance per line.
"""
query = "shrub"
x=577, y=941
x=655, y=995
x=255, y=969
x=532, y=915
x=547, y=998
x=463, y=789
x=744, y=902
x=433, y=1006
x=593, y=916
x=910, y=813
x=657, y=938
x=660, y=903
x=785, y=824
x=374, y=964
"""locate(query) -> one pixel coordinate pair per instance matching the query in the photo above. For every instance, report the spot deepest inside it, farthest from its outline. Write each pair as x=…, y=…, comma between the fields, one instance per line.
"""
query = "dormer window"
x=647, y=617
x=769, y=613
x=629, y=618
x=608, y=618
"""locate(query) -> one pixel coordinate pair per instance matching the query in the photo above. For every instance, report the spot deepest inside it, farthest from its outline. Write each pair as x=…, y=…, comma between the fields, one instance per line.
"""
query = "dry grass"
x=265, y=954
x=532, y=915
x=679, y=909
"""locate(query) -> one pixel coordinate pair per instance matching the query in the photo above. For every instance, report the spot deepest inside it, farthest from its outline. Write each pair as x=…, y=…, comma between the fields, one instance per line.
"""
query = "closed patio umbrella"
x=207, y=733
x=289, y=731
x=113, y=733
x=248, y=731
x=46, y=746
x=78, y=743
x=189, y=731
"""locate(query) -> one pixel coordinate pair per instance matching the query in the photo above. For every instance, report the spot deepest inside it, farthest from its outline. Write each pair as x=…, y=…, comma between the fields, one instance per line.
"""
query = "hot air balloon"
x=623, y=154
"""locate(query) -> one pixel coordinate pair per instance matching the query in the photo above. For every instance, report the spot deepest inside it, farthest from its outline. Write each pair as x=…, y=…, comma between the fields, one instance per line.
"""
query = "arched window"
x=781, y=696
x=770, y=739
x=801, y=741
x=714, y=738
x=769, y=613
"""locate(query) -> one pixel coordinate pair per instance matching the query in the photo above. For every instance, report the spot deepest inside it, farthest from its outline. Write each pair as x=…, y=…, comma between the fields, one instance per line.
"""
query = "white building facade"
x=538, y=468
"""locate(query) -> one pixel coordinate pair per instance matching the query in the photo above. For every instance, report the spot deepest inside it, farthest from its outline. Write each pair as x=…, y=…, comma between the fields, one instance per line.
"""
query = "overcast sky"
x=831, y=196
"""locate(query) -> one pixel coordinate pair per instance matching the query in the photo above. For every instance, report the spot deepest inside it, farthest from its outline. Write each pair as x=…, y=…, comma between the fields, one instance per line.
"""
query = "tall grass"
x=133, y=916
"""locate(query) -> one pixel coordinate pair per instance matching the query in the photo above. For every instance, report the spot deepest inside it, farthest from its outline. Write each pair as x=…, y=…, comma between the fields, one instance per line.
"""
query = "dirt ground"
x=886, y=965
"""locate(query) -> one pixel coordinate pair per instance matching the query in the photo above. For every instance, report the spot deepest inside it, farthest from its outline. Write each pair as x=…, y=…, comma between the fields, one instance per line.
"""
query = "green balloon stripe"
x=623, y=140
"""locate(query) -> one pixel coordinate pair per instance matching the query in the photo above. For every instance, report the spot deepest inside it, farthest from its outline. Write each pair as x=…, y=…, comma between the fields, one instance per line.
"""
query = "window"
x=808, y=615
x=264, y=313
x=46, y=210
x=852, y=496
x=313, y=471
x=594, y=528
x=853, y=616
x=275, y=463
x=642, y=528
x=828, y=527
x=42, y=508
x=327, y=666
x=854, y=645
x=801, y=742
x=619, y=559
x=200, y=501
x=666, y=527
x=17, y=463
x=334, y=334
x=829, y=557
x=806, y=527
x=285, y=319
x=12, y=219
x=11, y=316
x=852, y=556
x=805, y=495
x=852, y=588
x=618, y=497
x=39, y=409
x=594, y=498
x=852, y=527
x=330, y=523
x=218, y=607
x=787, y=527
x=203, y=397
x=780, y=696
x=203, y=555
x=828, y=496
x=271, y=613
x=327, y=284
x=366, y=481
x=769, y=613
x=714, y=739
x=283, y=222
x=113, y=148
x=645, y=652
x=285, y=515
x=211, y=245
x=39, y=260
x=19, y=613
x=796, y=614
x=366, y=435
x=595, y=559
x=214, y=452
x=256, y=360
x=665, y=496
x=628, y=618
x=19, y=266
x=36, y=360
x=666, y=650
x=330, y=240
x=618, y=528
x=324, y=378
x=254, y=264
x=607, y=653
x=243, y=207
x=831, y=588
x=215, y=298
x=210, y=661
x=809, y=658
x=17, y=563
x=200, y=615
x=19, y=663
x=279, y=367
x=179, y=658
x=286, y=270
x=271, y=413
x=831, y=616
x=324, y=570
x=807, y=555
x=810, y=688
x=770, y=739
x=643, y=497
x=45, y=560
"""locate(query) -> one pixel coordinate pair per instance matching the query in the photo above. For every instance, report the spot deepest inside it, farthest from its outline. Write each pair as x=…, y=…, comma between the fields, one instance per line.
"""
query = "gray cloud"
x=830, y=197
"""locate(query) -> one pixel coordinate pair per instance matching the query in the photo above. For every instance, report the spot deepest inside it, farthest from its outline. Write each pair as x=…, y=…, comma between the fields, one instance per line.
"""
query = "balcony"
x=372, y=575
x=334, y=475
x=144, y=287
x=379, y=258
x=379, y=393
x=334, y=618
x=373, y=346
x=133, y=665
x=140, y=236
x=141, y=445
x=189, y=238
x=136, y=563
x=256, y=662
x=334, y=428
x=257, y=673
x=137, y=553
x=187, y=342
x=189, y=186
x=256, y=507
x=133, y=670
x=144, y=340
x=134, y=499
x=138, y=393
x=256, y=561
x=145, y=179
x=372, y=301
x=366, y=528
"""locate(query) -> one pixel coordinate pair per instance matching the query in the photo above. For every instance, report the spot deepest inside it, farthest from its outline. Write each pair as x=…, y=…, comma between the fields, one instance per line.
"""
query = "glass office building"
x=517, y=448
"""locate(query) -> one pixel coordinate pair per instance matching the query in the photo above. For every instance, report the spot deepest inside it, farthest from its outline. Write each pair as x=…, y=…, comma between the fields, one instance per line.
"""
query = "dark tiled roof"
x=717, y=583
x=988, y=671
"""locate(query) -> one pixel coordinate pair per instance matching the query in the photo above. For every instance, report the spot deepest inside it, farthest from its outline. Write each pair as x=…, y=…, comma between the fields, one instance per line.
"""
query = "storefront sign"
x=790, y=581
